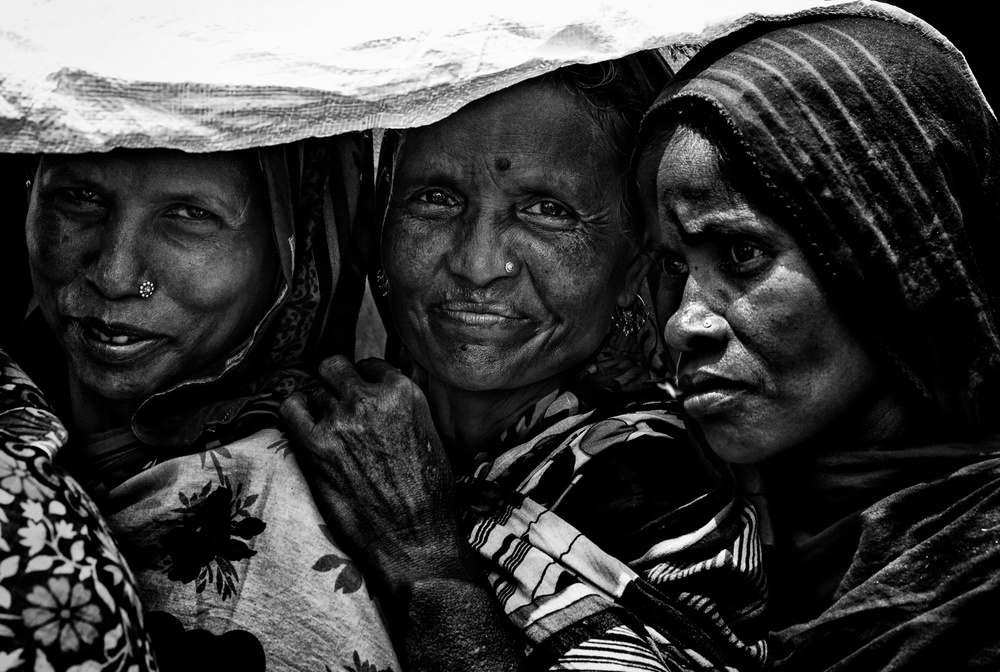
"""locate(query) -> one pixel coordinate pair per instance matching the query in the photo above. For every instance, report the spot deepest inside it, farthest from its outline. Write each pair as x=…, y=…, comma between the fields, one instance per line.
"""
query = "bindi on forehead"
x=502, y=163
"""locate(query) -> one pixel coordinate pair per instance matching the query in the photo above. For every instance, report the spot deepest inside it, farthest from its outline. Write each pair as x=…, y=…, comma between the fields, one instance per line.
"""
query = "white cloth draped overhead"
x=92, y=75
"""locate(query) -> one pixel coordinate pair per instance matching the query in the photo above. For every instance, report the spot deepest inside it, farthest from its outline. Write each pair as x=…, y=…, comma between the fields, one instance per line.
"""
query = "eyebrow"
x=728, y=224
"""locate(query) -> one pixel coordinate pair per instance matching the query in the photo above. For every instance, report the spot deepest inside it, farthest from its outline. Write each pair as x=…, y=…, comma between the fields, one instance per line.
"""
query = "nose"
x=696, y=323
x=481, y=254
x=118, y=262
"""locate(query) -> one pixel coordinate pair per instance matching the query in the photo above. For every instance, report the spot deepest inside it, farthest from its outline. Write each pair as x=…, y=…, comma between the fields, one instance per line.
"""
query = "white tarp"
x=203, y=75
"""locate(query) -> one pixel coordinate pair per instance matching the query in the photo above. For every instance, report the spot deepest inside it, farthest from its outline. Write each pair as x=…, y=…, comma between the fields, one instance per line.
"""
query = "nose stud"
x=707, y=324
x=146, y=289
x=509, y=267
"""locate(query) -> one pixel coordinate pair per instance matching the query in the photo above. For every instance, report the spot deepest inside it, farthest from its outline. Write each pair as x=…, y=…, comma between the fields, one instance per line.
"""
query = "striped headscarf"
x=871, y=132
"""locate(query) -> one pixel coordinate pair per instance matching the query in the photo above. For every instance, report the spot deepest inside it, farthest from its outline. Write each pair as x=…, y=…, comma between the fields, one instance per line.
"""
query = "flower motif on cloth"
x=67, y=598
x=350, y=579
x=214, y=526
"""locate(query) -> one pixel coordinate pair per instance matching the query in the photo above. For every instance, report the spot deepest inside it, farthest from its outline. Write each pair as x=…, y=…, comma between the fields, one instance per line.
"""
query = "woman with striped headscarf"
x=823, y=196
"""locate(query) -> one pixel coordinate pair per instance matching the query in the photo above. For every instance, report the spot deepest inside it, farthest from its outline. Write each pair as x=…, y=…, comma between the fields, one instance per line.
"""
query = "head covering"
x=617, y=93
x=315, y=189
x=317, y=205
x=870, y=130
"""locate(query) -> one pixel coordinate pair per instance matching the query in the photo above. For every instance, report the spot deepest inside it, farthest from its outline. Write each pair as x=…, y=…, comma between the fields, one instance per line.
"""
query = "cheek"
x=805, y=351
x=411, y=252
x=53, y=252
x=577, y=277
x=230, y=280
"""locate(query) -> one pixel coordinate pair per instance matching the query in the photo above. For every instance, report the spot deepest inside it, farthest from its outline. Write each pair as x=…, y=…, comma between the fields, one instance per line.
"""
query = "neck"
x=91, y=413
x=469, y=421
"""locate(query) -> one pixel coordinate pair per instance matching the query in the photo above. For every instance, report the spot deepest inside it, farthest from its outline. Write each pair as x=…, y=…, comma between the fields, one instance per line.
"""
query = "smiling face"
x=504, y=240
x=766, y=363
x=194, y=225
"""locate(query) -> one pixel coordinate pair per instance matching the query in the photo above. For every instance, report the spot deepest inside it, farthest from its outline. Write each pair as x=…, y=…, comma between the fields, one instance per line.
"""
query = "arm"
x=381, y=479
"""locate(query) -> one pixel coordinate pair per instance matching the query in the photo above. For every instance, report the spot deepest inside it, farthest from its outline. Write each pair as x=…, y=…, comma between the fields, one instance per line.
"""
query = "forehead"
x=535, y=125
x=219, y=171
x=678, y=174
x=686, y=191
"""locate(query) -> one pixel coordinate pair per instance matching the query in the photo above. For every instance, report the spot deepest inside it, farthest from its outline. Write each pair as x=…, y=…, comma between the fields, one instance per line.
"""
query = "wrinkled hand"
x=379, y=472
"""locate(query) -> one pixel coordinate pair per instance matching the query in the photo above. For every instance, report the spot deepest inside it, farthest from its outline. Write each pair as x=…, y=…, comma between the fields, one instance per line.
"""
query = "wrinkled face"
x=194, y=225
x=504, y=243
x=765, y=361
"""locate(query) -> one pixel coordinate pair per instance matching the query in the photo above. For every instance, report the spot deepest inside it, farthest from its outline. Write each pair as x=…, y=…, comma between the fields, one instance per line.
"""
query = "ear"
x=635, y=273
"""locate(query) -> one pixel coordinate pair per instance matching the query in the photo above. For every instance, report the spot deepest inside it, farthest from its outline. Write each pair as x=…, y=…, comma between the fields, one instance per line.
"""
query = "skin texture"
x=525, y=176
x=99, y=225
x=765, y=361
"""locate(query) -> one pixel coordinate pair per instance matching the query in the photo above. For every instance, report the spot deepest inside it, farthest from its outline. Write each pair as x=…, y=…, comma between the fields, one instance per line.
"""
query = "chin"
x=123, y=385
x=738, y=444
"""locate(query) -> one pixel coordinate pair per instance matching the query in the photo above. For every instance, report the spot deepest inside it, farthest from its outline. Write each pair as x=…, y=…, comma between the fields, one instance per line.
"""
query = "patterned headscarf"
x=314, y=187
x=871, y=132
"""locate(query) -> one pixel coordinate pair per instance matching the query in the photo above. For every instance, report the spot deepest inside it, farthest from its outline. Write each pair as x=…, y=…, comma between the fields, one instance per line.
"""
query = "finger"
x=375, y=370
x=322, y=404
x=339, y=375
x=296, y=413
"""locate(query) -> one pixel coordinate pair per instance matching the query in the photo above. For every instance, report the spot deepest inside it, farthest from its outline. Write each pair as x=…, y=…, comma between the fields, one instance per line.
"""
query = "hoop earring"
x=629, y=320
x=382, y=282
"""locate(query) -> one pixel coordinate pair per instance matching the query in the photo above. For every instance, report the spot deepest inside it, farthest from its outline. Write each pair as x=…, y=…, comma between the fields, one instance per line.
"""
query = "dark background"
x=968, y=30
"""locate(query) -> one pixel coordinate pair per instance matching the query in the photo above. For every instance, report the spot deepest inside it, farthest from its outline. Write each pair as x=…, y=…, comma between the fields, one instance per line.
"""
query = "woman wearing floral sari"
x=180, y=298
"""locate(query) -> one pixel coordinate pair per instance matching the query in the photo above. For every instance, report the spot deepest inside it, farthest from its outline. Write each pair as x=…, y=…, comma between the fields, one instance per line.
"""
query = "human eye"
x=190, y=212
x=77, y=198
x=745, y=258
x=436, y=198
x=547, y=208
x=82, y=204
x=673, y=266
x=81, y=195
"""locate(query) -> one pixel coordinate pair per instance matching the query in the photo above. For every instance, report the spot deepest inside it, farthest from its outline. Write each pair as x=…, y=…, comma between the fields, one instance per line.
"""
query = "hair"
x=738, y=169
x=617, y=94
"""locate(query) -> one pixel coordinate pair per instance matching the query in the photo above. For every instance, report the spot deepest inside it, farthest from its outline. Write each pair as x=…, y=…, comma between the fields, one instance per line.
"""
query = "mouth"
x=702, y=394
x=115, y=342
x=479, y=314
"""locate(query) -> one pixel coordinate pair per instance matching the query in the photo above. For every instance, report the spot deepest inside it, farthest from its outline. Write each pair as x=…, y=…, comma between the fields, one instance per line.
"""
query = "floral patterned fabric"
x=237, y=569
x=67, y=598
x=234, y=565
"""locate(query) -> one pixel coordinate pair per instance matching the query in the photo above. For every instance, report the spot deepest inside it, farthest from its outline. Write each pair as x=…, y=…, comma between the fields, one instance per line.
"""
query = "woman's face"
x=765, y=361
x=504, y=243
x=195, y=225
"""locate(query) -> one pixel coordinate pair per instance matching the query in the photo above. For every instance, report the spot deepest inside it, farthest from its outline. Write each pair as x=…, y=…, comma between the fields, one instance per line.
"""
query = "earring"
x=146, y=289
x=382, y=282
x=27, y=184
x=509, y=267
x=629, y=320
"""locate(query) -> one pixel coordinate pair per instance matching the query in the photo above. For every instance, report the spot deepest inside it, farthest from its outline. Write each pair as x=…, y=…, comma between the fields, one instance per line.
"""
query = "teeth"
x=105, y=338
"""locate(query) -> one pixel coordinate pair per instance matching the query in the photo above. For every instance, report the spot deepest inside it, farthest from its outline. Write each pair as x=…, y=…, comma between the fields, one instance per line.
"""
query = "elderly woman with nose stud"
x=178, y=299
x=824, y=199
x=584, y=531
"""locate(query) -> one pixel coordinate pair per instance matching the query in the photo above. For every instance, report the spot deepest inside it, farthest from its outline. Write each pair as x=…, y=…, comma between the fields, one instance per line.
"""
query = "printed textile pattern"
x=67, y=597
x=609, y=538
x=237, y=569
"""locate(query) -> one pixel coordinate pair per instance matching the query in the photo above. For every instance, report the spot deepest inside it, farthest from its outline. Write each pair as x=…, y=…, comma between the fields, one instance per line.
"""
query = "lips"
x=705, y=393
x=115, y=342
x=479, y=314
